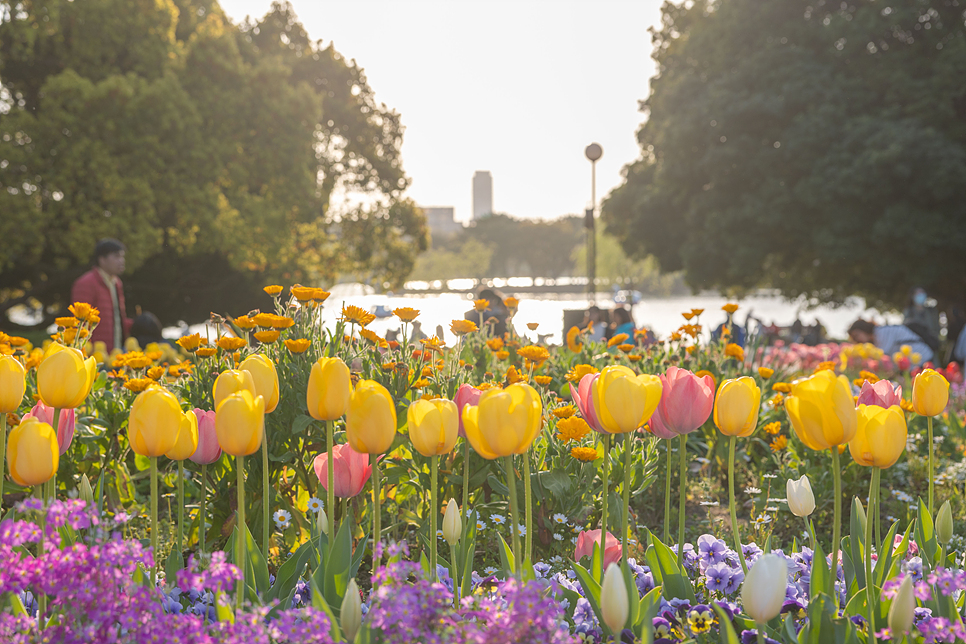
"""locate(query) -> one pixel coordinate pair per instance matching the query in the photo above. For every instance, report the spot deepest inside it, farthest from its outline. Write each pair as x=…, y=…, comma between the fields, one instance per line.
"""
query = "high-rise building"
x=441, y=221
x=482, y=194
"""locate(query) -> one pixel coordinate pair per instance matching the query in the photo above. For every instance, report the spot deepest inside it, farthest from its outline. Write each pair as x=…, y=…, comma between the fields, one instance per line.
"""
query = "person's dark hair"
x=146, y=325
x=106, y=247
x=862, y=325
x=621, y=316
x=489, y=294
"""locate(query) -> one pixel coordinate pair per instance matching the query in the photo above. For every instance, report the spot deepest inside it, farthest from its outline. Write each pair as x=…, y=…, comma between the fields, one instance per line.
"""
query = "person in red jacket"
x=101, y=287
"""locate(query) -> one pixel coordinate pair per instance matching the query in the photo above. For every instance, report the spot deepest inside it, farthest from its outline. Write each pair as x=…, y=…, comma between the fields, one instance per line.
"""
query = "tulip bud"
x=944, y=524
x=208, y=450
x=613, y=599
x=265, y=377
x=433, y=426
x=240, y=423
x=930, y=393
x=85, y=492
x=504, y=422
x=232, y=381
x=322, y=522
x=903, y=608
x=736, y=407
x=799, y=495
x=154, y=422
x=763, y=591
x=12, y=384
x=452, y=524
x=351, y=613
x=330, y=387
x=32, y=452
x=370, y=422
x=64, y=378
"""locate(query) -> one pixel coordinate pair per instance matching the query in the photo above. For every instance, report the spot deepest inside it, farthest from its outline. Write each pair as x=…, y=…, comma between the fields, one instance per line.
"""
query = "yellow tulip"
x=822, y=410
x=624, y=400
x=12, y=384
x=230, y=382
x=240, y=423
x=433, y=426
x=33, y=454
x=930, y=393
x=329, y=389
x=265, y=377
x=504, y=421
x=64, y=378
x=880, y=437
x=736, y=407
x=187, y=442
x=155, y=422
x=370, y=421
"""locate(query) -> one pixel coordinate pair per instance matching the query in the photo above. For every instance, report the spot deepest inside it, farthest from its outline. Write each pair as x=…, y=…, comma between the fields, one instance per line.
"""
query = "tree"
x=210, y=149
x=817, y=147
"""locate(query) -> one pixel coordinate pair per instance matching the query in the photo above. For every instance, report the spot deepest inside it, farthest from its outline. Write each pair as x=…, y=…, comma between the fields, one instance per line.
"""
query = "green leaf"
x=727, y=631
x=16, y=605
x=660, y=557
x=591, y=593
x=506, y=557
x=556, y=482
x=173, y=564
x=820, y=572
x=300, y=423
x=633, y=595
x=884, y=564
x=288, y=574
x=224, y=609
x=857, y=522
x=142, y=576
x=319, y=603
x=646, y=611
x=337, y=566
x=926, y=537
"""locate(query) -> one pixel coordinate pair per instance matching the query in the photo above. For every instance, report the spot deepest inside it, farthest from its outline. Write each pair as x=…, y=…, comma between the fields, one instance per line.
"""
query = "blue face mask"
x=919, y=298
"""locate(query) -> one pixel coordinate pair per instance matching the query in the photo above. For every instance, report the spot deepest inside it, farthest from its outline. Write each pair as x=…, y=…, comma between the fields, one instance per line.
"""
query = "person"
x=595, y=322
x=622, y=322
x=494, y=316
x=959, y=349
x=101, y=287
x=922, y=317
x=890, y=338
x=146, y=329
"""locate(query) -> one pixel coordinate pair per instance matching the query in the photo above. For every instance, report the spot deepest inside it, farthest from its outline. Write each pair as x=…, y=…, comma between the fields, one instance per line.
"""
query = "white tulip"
x=763, y=591
x=613, y=599
x=322, y=522
x=452, y=524
x=351, y=614
x=903, y=608
x=801, y=501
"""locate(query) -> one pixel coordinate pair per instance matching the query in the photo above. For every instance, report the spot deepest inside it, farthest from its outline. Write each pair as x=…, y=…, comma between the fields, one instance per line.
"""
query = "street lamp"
x=593, y=152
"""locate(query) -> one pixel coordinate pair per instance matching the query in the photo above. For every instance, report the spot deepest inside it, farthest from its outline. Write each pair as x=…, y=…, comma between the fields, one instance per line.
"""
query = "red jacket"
x=92, y=289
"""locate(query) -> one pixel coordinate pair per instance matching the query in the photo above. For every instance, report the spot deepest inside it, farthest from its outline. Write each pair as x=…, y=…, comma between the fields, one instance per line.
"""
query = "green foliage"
x=210, y=149
x=640, y=274
x=814, y=148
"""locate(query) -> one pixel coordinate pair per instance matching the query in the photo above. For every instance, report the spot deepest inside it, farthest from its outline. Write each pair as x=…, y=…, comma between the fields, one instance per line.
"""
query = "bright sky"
x=516, y=87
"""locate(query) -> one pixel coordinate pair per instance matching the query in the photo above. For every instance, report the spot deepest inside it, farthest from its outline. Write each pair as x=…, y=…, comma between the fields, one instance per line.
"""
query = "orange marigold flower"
x=572, y=429
x=633, y=357
x=189, y=342
x=868, y=375
x=355, y=315
x=137, y=385
x=625, y=348
x=773, y=428
x=371, y=336
x=511, y=303
x=426, y=372
x=579, y=371
x=81, y=310
x=782, y=387
x=827, y=365
x=777, y=400
x=69, y=335
x=765, y=372
x=780, y=443
x=502, y=355
x=246, y=323
x=206, y=352
x=67, y=322
x=405, y=313
x=155, y=373
x=462, y=327
x=534, y=353
x=267, y=337
x=421, y=383
x=230, y=343
x=136, y=360
x=94, y=318
x=432, y=344
x=732, y=350
x=617, y=339
x=729, y=308
x=585, y=454
x=533, y=325
x=495, y=344
x=543, y=381
x=174, y=370
x=572, y=334
x=388, y=366
x=697, y=312
x=564, y=412
x=688, y=316
x=906, y=405
x=513, y=376
x=299, y=345
x=481, y=305
x=675, y=336
x=263, y=320
x=273, y=290
x=281, y=322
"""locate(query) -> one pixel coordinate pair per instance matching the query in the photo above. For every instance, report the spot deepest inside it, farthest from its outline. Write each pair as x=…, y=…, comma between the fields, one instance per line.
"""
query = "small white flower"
x=752, y=490
x=498, y=519
x=489, y=570
x=282, y=519
x=710, y=503
x=769, y=476
x=560, y=518
x=315, y=505
x=557, y=537
x=573, y=540
x=439, y=534
x=480, y=526
x=556, y=559
x=522, y=530
x=771, y=508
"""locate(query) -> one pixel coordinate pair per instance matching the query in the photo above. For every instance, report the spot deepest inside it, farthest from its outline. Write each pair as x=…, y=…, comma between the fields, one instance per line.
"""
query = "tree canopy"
x=212, y=150
x=814, y=146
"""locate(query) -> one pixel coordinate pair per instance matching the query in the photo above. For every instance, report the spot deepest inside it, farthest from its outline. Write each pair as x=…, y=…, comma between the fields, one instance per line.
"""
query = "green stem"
x=869, y=583
x=330, y=492
x=528, y=512
x=759, y=634
x=266, y=506
x=3, y=455
x=51, y=485
x=202, y=529
x=453, y=575
x=667, y=494
x=376, y=518
x=511, y=483
x=466, y=481
x=41, y=547
x=837, y=530
x=625, y=524
x=876, y=514
x=180, y=506
x=433, y=511
x=603, y=502
x=682, y=501
x=810, y=531
x=241, y=545
x=154, y=519
x=932, y=447
x=731, y=502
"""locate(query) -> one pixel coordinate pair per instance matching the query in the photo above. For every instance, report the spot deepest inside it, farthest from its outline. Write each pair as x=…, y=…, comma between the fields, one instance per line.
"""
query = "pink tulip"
x=686, y=403
x=586, y=541
x=583, y=395
x=208, y=450
x=466, y=395
x=352, y=470
x=65, y=429
x=883, y=394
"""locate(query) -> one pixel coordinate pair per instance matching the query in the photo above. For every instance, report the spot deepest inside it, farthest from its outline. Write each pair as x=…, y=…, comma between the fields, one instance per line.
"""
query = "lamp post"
x=593, y=152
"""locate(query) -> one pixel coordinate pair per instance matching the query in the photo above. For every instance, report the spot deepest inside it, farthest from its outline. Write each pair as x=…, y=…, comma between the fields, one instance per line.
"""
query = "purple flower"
x=718, y=577
x=711, y=550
